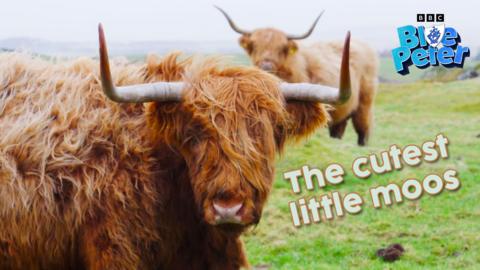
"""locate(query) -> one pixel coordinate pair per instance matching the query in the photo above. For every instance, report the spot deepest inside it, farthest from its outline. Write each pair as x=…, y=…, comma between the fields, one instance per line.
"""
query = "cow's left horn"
x=160, y=91
x=309, y=32
x=321, y=93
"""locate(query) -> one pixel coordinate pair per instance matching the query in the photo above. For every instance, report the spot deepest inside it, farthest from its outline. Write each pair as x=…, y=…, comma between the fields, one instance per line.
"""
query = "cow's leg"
x=363, y=120
x=337, y=129
x=106, y=245
x=363, y=116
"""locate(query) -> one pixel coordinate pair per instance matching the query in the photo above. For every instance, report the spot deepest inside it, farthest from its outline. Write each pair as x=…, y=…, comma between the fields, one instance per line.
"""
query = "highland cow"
x=278, y=53
x=167, y=176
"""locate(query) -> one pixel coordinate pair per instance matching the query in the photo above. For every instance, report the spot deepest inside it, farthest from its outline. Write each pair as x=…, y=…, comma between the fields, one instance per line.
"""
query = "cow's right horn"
x=159, y=91
x=231, y=23
x=322, y=93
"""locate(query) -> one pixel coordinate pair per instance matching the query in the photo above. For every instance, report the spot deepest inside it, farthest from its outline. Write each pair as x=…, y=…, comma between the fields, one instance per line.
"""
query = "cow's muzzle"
x=267, y=66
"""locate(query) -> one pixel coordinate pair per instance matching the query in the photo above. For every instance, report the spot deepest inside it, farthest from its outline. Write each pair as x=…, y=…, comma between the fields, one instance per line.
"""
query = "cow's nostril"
x=228, y=213
x=266, y=65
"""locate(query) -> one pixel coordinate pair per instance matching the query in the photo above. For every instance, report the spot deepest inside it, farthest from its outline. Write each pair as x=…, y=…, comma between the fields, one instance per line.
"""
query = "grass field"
x=438, y=232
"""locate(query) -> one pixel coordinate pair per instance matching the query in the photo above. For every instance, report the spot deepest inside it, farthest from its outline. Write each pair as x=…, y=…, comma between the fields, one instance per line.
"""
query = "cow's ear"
x=305, y=118
x=246, y=43
x=292, y=47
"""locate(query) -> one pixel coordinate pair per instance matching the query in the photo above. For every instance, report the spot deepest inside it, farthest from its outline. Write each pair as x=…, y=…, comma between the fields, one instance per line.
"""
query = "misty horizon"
x=372, y=21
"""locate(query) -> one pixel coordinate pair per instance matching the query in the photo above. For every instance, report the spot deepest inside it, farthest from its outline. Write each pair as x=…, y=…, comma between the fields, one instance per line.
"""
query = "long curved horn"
x=309, y=32
x=160, y=91
x=321, y=93
x=231, y=23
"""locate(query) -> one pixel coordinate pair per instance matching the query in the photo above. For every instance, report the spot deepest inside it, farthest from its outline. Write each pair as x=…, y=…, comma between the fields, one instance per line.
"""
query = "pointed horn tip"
x=320, y=15
x=231, y=22
x=309, y=31
x=345, y=84
x=101, y=35
x=346, y=43
x=221, y=10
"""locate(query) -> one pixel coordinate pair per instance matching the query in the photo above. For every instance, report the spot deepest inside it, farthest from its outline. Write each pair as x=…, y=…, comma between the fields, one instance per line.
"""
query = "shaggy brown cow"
x=86, y=183
x=274, y=51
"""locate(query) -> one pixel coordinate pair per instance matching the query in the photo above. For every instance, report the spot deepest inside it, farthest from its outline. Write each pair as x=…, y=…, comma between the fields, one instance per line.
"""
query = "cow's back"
x=63, y=148
x=323, y=64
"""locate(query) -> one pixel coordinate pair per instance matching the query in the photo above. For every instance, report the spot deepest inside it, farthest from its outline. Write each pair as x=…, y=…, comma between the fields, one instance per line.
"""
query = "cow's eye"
x=250, y=48
x=285, y=50
x=195, y=141
x=191, y=140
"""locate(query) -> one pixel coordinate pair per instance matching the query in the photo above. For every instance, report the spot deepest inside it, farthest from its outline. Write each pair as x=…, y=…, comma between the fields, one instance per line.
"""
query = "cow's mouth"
x=268, y=66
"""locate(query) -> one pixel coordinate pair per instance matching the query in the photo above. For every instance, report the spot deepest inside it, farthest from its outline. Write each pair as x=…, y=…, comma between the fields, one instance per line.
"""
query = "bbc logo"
x=430, y=17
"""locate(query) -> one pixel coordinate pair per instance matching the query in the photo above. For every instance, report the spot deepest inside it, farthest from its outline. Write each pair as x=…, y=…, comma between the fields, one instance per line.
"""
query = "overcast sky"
x=196, y=20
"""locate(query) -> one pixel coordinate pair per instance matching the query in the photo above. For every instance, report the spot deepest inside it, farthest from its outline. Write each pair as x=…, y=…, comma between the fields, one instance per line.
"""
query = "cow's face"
x=227, y=125
x=268, y=48
x=231, y=160
x=228, y=128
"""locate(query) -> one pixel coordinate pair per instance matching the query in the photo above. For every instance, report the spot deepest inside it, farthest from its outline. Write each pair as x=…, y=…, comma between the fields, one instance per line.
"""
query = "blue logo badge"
x=428, y=46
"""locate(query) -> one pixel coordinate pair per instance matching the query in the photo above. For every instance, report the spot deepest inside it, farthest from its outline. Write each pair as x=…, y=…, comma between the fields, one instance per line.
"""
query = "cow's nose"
x=228, y=214
x=266, y=65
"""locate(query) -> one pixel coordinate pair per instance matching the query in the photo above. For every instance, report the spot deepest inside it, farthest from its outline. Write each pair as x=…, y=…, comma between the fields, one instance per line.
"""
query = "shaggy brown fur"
x=320, y=63
x=86, y=183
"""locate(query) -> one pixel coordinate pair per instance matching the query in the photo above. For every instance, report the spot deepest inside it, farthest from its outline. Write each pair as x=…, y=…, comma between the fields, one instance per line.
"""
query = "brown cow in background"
x=167, y=180
x=274, y=51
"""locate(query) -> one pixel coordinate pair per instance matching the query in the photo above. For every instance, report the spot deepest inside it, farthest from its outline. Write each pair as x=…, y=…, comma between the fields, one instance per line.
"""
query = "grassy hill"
x=438, y=232
x=435, y=73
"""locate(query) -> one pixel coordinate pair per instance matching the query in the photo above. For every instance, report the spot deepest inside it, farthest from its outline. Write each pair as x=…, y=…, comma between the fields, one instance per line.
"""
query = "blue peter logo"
x=432, y=46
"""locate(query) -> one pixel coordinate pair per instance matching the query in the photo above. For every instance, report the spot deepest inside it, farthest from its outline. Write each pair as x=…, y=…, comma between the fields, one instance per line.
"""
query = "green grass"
x=438, y=232
x=435, y=73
